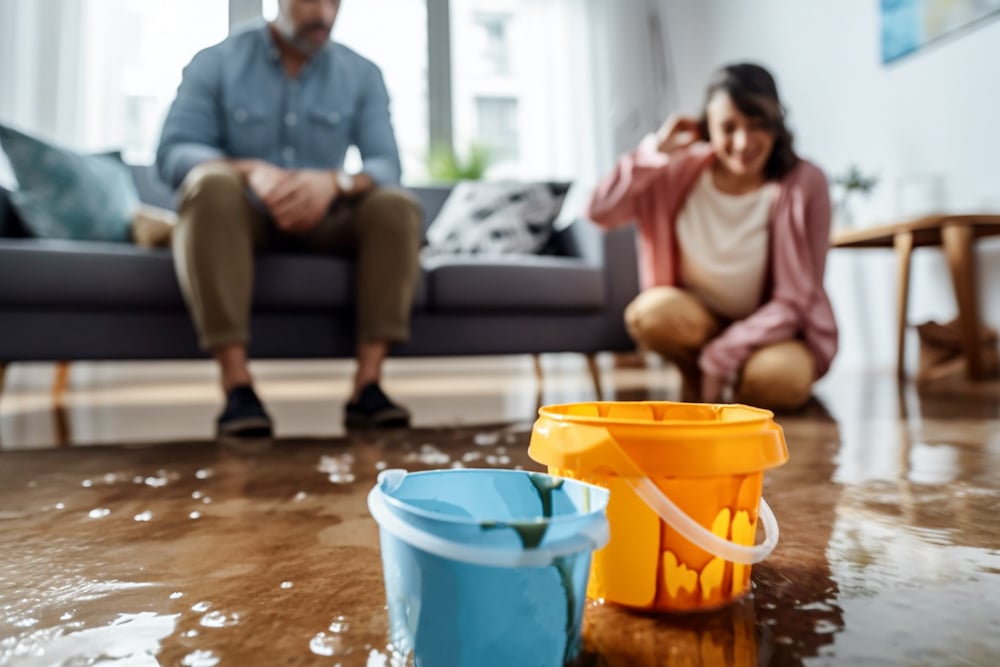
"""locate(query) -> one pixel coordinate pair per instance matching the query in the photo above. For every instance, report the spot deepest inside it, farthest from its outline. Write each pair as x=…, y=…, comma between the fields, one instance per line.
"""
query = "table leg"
x=595, y=375
x=903, y=244
x=958, y=248
x=60, y=382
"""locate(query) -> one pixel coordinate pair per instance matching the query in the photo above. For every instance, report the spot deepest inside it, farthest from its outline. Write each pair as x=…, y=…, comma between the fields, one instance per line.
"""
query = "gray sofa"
x=70, y=300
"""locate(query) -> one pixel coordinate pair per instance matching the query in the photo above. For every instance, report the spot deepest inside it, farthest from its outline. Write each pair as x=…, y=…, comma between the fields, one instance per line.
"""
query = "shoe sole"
x=247, y=427
x=387, y=419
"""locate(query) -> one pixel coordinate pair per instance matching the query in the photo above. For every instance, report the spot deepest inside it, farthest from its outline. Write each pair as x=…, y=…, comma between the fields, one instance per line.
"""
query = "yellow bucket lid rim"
x=746, y=415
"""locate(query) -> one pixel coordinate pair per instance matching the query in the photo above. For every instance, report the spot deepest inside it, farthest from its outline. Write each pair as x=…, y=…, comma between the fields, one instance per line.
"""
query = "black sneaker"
x=373, y=409
x=244, y=415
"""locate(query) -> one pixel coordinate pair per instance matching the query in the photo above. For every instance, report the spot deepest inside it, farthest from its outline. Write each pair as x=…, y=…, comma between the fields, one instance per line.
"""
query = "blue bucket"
x=486, y=567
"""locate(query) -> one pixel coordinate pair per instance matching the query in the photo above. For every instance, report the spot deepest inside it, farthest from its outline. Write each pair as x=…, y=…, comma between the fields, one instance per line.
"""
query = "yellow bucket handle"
x=700, y=536
x=598, y=443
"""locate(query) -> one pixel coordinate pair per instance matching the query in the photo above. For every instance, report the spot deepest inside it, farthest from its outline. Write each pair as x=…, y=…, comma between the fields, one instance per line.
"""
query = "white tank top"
x=723, y=242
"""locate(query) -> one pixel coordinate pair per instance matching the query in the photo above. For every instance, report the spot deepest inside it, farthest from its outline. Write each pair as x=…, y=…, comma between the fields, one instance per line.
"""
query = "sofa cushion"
x=68, y=195
x=514, y=282
x=492, y=218
x=49, y=273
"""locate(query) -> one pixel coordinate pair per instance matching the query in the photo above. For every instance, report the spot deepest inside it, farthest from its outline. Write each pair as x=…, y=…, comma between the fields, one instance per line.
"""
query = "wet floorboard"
x=195, y=553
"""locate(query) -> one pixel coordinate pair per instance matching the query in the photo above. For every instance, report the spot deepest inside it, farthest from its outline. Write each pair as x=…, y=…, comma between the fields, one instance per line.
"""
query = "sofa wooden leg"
x=3, y=369
x=60, y=425
x=60, y=418
x=595, y=375
x=539, y=380
x=60, y=382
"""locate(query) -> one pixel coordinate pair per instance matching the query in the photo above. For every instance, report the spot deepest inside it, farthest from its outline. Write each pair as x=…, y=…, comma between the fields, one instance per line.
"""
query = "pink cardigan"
x=651, y=188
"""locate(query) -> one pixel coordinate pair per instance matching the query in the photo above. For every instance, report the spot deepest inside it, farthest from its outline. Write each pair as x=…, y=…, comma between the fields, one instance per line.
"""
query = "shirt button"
x=291, y=119
x=288, y=153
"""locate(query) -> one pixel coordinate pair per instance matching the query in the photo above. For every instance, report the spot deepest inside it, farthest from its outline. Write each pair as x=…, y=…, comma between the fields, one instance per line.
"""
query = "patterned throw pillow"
x=495, y=218
x=67, y=195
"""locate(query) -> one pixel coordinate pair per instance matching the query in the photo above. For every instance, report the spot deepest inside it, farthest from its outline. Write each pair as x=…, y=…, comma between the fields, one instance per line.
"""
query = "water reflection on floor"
x=130, y=551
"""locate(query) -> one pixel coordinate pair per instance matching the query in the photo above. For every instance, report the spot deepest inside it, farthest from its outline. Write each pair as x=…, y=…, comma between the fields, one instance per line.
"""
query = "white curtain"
x=99, y=74
x=39, y=57
x=621, y=69
x=631, y=70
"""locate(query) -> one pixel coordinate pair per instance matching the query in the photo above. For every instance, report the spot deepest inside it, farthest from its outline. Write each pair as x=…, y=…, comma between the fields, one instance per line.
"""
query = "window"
x=393, y=34
x=496, y=120
x=100, y=74
x=493, y=46
x=516, y=85
x=516, y=74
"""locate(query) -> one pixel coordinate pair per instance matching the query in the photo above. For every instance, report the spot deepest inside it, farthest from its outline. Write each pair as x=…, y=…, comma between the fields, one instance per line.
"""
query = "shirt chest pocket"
x=329, y=134
x=252, y=133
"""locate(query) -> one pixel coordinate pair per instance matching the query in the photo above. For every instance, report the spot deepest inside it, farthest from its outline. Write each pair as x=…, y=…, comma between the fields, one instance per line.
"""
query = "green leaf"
x=443, y=165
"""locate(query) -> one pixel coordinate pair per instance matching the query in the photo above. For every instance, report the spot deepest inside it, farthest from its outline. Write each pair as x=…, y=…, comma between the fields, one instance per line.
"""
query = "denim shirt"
x=237, y=101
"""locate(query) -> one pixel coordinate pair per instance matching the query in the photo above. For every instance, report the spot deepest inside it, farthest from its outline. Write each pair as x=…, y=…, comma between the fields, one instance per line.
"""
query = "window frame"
x=439, y=91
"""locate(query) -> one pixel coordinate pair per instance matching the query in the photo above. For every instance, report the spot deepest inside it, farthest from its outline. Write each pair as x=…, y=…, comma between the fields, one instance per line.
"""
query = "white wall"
x=932, y=113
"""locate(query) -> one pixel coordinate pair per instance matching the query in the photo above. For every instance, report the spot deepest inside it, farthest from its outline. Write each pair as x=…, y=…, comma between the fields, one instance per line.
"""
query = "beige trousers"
x=219, y=229
x=673, y=323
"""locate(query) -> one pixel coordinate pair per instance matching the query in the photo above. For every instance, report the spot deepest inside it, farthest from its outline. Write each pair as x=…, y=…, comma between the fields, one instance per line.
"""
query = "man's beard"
x=296, y=38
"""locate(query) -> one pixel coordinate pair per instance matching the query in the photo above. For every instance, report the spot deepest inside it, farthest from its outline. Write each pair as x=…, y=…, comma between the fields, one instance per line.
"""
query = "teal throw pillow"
x=63, y=194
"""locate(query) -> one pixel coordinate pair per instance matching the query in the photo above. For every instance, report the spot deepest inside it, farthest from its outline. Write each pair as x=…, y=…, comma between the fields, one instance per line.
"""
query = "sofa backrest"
x=431, y=198
x=151, y=189
x=155, y=192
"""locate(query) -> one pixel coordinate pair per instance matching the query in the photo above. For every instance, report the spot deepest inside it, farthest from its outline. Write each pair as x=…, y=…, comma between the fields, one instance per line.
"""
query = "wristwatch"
x=345, y=182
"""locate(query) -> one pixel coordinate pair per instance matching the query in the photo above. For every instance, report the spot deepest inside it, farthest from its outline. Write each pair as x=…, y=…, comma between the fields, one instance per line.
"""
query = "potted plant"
x=444, y=165
x=849, y=184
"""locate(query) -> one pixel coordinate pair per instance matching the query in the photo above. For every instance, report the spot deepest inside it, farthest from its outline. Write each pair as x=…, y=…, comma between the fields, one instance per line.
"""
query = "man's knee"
x=389, y=212
x=669, y=317
x=779, y=376
x=213, y=204
x=211, y=182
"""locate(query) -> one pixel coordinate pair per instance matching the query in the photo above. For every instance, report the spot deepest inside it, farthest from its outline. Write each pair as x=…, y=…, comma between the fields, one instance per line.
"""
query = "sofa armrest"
x=614, y=252
x=580, y=239
x=621, y=267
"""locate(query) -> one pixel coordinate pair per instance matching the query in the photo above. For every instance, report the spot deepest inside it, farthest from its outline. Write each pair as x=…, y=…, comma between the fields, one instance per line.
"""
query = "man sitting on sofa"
x=255, y=140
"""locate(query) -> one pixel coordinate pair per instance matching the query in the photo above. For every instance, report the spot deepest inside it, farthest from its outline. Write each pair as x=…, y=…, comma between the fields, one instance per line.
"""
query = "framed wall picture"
x=908, y=25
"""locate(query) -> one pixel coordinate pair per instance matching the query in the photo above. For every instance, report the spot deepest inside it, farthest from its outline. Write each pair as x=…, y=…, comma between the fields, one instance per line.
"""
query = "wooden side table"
x=956, y=235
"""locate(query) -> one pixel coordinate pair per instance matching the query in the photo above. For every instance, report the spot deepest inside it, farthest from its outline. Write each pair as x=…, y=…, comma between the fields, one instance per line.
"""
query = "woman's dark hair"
x=753, y=91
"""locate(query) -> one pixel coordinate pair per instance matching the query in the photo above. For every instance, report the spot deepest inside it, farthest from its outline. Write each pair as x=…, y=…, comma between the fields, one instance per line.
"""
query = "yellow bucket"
x=685, y=482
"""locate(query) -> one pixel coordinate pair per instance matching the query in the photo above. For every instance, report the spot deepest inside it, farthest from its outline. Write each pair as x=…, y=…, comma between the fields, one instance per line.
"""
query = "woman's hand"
x=677, y=132
x=712, y=388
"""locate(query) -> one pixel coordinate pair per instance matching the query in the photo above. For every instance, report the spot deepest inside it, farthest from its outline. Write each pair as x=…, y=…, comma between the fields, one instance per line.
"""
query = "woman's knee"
x=778, y=377
x=669, y=317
